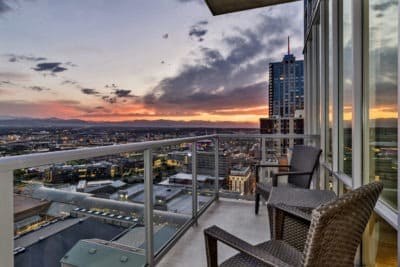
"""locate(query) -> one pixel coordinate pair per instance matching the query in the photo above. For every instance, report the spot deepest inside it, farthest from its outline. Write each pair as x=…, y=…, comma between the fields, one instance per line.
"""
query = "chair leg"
x=257, y=203
x=212, y=251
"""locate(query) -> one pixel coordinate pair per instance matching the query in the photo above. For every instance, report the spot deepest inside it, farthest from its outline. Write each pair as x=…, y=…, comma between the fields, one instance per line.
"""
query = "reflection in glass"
x=381, y=86
x=347, y=87
x=379, y=243
x=330, y=87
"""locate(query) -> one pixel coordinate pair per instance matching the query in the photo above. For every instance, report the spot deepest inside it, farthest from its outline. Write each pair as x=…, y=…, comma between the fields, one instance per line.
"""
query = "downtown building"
x=285, y=101
x=286, y=87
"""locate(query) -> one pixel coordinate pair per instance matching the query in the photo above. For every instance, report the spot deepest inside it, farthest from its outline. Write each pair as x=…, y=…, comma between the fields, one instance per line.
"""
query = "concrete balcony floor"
x=235, y=216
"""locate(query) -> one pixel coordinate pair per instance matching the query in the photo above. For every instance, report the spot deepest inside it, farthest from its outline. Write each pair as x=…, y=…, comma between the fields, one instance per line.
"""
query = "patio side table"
x=295, y=230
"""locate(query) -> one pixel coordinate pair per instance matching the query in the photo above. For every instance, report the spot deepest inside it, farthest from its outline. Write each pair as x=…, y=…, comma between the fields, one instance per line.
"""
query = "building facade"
x=286, y=87
x=205, y=163
x=240, y=180
x=351, y=75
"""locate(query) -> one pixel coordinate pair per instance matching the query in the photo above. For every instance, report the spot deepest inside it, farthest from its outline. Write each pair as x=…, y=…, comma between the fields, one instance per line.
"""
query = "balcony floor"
x=235, y=216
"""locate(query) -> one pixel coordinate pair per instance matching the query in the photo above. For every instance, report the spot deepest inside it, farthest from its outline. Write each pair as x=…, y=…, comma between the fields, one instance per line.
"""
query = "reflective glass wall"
x=346, y=88
x=329, y=145
x=380, y=57
x=358, y=63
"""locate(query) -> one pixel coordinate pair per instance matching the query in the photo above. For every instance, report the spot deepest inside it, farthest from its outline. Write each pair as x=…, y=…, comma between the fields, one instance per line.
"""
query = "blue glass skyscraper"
x=286, y=86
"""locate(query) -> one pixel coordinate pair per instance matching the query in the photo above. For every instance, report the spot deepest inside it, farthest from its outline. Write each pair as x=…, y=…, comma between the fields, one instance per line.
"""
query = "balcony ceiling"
x=219, y=7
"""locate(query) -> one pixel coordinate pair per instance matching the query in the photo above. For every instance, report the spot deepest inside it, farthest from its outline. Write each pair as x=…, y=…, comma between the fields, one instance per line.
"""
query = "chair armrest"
x=271, y=165
x=275, y=175
x=258, y=166
x=214, y=234
x=294, y=211
x=291, y=173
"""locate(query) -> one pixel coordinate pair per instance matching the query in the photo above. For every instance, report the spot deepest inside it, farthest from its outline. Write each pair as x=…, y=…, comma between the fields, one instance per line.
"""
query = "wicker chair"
x=304, y=162
x=334, y=235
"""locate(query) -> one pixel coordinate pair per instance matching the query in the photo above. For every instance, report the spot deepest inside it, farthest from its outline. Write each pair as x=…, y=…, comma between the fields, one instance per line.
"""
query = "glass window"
x=379, y=243
x=381, y=95
x=346, y=104
x=330, y=86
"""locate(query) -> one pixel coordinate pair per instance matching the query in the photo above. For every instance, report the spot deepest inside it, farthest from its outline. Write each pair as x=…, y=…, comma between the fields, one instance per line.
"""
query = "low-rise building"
x=239, y=180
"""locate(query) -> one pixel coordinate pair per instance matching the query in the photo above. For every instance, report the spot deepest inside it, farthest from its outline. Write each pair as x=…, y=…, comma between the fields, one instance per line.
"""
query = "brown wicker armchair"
x=334, y=235
x=304, y=162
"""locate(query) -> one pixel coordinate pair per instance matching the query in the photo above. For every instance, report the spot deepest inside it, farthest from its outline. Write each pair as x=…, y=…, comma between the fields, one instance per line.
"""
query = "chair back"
x=305, y=159
x=336, y=227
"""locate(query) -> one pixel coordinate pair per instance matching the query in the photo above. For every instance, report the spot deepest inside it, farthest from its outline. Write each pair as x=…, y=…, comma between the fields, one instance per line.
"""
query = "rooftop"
x=23, y=203
x=98, y=253
x=58, y=243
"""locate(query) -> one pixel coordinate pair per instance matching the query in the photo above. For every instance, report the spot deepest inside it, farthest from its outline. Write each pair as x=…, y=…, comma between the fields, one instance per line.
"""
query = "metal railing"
x=9, y=164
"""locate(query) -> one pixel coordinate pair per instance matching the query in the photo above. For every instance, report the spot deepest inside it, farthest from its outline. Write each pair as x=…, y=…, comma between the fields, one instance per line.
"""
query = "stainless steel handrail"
x=9, y=164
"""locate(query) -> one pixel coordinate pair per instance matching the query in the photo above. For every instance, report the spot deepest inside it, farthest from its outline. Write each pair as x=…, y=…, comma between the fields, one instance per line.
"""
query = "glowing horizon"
x=104, y=61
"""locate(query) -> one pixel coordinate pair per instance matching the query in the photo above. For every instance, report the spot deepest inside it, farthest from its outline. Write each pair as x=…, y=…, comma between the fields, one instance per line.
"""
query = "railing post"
x=263, y=150
x=318, y=172
x=148, y=205
x=7, y=218
x=194, y=181
x=216, y=167
x=263, y=160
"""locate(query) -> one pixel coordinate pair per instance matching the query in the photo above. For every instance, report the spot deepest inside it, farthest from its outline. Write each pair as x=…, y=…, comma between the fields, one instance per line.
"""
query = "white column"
x=357, y=123
x=148, y=206
x=7, y=218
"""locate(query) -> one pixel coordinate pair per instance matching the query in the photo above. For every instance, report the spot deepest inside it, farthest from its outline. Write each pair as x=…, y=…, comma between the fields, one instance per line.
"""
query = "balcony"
x=146, y=223
x=233, y=215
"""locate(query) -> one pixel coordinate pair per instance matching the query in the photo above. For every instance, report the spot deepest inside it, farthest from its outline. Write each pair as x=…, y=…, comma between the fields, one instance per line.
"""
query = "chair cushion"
x=276, y=248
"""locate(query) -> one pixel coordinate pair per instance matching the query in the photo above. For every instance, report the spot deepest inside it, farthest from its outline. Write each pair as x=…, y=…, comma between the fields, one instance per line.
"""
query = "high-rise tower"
x=286, y=86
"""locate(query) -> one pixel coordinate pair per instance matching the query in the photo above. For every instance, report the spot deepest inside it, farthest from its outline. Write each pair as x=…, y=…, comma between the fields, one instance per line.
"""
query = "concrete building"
x=205, y=163
x=280, y=125
x=239, y=180
x=186, y=179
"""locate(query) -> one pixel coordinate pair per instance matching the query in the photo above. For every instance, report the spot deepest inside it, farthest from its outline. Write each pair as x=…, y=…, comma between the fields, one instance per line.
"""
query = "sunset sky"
x=127, y=60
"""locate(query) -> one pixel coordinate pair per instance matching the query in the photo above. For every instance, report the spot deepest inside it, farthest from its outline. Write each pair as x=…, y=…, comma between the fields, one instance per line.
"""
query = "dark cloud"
x=211, y=102
x=123, y=93
x=39, y=88
x=70, y=64
x=110, y=100
x=19, y=58
x=111, y=86
x=198, y=30
x=88, y=91
x=69, y=82
x=5, y=83
x=384, y=6
x=233, y=79
x=53, y=67
x=4, y=7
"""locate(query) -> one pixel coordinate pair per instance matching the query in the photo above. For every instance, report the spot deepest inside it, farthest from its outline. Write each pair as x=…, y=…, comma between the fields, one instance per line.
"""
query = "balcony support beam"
x=194, y=182
x=216, y=167
x=7, y=218
x=148, y=205
x=357, y=122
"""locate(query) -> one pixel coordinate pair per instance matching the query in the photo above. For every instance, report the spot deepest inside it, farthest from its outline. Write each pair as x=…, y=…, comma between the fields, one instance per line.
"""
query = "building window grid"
x=345, y=181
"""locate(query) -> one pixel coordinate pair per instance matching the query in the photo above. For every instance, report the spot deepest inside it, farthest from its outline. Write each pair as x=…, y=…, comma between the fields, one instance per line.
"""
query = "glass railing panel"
x=243, y=153
x=75, y=205
x=237, y=158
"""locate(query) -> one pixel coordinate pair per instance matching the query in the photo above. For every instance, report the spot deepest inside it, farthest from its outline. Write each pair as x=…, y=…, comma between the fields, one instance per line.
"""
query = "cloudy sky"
x=126, y=60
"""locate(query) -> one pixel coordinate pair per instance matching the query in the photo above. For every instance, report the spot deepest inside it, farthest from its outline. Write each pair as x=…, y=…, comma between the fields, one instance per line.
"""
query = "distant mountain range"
x=14, y=122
